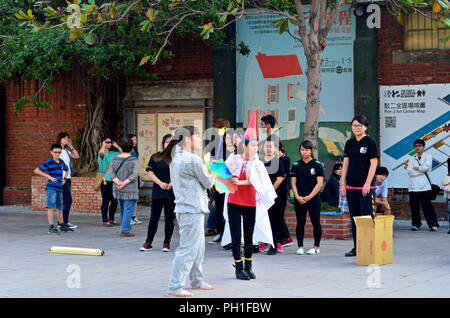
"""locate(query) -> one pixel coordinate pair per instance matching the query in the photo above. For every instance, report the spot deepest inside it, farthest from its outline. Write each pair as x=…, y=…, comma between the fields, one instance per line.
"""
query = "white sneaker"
x=72, y=226
x=135, y=221
x=300, y=251
x=313, y=251
x=434, y=229
x=415, y=228
x=217, y=239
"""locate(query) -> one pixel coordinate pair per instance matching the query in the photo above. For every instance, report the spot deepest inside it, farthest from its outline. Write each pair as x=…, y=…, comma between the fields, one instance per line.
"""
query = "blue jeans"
x=54, y=200
x=126, y=212
x=212, y=218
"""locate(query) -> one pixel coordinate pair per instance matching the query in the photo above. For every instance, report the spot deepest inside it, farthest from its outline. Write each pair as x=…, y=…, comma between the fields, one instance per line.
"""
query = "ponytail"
x=178, y=136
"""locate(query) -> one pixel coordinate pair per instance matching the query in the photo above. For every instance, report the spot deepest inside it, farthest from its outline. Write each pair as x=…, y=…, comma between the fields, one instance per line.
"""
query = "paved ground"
x=421, y=265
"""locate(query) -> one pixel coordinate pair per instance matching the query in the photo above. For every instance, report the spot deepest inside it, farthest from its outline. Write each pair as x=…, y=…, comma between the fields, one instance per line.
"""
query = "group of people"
x=254, y=213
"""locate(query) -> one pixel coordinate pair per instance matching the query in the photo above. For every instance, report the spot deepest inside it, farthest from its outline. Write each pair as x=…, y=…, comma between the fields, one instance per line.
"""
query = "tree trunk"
x=104, y=105
x=311, y=130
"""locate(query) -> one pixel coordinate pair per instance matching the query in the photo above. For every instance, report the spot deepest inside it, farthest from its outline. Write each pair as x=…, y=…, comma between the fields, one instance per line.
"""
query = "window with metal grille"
x=291, y=114
x=424, y=33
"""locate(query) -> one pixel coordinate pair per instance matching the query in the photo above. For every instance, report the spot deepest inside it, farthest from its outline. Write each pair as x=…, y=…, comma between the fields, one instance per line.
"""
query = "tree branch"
x=324, y=32
x=301, y=20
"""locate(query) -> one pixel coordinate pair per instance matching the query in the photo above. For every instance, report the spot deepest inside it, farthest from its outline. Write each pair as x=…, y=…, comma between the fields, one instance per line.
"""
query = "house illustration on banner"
x=275, y=81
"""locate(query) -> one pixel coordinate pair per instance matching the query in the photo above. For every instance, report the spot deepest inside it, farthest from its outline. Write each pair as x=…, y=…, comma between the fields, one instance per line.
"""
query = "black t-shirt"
x=275, y=174
x=162, y=172
x=306, y=174
x=359, y=154
x=286, y=185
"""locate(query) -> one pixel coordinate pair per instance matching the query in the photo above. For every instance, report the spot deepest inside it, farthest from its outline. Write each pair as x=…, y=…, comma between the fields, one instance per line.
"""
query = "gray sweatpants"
x=189, y=255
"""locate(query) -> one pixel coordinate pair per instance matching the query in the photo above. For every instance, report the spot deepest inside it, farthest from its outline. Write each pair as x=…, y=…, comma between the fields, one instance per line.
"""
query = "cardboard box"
x=374, y=240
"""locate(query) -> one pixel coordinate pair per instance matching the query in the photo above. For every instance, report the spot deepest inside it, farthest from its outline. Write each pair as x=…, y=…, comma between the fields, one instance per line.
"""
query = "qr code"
x=390, y=122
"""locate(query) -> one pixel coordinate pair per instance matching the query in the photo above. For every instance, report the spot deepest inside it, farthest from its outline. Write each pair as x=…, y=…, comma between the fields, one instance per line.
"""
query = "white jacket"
x=445, y=185
x=265, y=198
x=418, y=181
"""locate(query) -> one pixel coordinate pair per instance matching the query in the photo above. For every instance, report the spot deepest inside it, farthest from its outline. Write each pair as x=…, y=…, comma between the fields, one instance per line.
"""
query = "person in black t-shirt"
x=330, y=193
x=275, y=169
x=162, y=196
x=286, y=236
x=358, y=172
x=306, y=181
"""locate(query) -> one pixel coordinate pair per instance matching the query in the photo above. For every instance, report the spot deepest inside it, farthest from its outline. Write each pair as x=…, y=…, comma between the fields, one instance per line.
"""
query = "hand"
x=416, y=168
x=115, y=145
x=343, y=189
x=63, y=181
x=121, y=185
x=169, y=186
x=366, y=189
x=54, y=180
x=163, y=185
x=235, y=181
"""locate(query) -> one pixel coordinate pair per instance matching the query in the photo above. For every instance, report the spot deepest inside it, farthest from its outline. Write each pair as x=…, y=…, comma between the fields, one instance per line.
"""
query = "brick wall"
x=84, y=198
x=30, y=133
x=398, y=67
x=333, y=226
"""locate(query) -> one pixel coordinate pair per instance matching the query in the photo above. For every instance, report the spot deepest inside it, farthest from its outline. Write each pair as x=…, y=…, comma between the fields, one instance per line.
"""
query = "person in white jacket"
x=445, y=185
x=419, y=167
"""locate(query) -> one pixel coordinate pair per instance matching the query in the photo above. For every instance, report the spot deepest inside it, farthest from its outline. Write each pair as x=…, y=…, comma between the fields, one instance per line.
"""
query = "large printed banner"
x=272, y=77
x=410, y=112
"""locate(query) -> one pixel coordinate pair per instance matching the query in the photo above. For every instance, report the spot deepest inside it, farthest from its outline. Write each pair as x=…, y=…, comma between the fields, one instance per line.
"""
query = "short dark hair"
x=126, y=144
x=131, y=136
x=55, y=146
x=60, y=136
x=307, y=144
x=222, y=123
x=382, y=171
x=420, y=142
x=361, y=119
x=337, y=166
x=269, y=119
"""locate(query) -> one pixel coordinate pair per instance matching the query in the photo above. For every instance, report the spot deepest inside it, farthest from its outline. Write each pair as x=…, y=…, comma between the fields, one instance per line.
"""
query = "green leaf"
x=446, y=22
x=223, y=18
x=89, y=38
x=283, y=27
x=230, y=6
x=445, y=39
x=145, y=25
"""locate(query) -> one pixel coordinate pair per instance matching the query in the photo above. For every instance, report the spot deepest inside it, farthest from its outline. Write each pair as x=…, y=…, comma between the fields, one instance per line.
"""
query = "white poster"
x=410, y=112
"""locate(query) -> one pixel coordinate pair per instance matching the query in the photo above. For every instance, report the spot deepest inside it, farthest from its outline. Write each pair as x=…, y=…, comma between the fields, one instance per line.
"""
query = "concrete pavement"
x=421, y=265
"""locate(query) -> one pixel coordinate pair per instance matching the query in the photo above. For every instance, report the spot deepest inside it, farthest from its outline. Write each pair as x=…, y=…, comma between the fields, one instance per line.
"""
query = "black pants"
x=276, y=216
x=422, y=199
x=234, y=219
x=67, y=200
x=108, y=202
x=313, y=208
x=359, y=205
x=219, y=199
x=169, y=217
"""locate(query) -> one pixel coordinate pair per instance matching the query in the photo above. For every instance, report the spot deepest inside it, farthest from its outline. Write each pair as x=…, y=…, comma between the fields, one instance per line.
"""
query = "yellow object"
x=436, y=7
x=76, y=250
x=331, y=147
x=374, y=240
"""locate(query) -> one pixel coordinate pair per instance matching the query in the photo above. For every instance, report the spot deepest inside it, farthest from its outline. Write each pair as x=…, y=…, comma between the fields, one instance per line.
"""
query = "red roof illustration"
x=279, y=65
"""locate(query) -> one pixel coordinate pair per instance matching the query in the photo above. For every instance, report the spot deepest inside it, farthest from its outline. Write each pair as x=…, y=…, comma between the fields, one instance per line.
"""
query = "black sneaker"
x=272, y=251
x=65, y=228
x=53, y=230
x=351, y=253
x=227, y=247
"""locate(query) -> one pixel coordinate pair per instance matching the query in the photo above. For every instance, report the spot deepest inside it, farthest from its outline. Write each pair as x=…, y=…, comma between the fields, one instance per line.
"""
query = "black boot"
x=248, y=269
x=240, y=272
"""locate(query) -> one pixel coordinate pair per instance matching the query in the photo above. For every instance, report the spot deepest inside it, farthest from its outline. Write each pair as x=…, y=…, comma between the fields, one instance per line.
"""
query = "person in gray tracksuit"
x=190, y=179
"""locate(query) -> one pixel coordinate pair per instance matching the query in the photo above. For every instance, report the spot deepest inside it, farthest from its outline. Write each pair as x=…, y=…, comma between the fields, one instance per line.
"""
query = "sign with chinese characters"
x=147, y=140
x=408, y=113
x=272, y=77
x=168, y=122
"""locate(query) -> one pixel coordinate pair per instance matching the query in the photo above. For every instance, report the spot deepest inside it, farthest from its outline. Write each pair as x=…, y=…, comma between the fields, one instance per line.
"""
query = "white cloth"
x=65, y=156
x=445, y=185
x=265, y=198
x=418, y=181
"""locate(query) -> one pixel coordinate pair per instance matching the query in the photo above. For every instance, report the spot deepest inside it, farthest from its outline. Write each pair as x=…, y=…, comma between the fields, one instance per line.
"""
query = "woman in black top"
x=275, y=169
x=307, y=180
x=330, y=193
x=162, y=196
x=358, y=172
